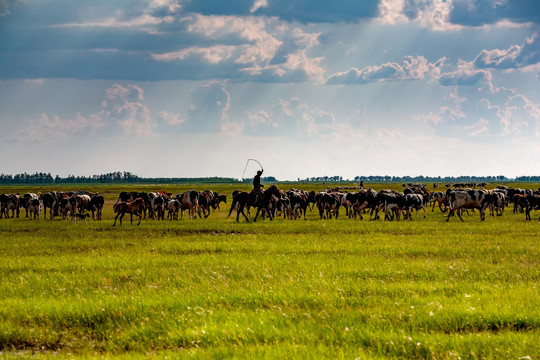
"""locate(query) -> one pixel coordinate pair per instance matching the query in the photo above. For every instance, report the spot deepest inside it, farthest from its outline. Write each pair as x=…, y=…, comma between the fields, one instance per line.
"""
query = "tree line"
x=117, y=177
x=126, y=177
x=419, y=179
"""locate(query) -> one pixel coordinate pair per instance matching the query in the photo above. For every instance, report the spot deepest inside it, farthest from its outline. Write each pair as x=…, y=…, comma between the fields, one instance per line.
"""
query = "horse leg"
x=122, y=216
x=243, y=213
x=270, y=215
x=140, y=218
x=257, y=214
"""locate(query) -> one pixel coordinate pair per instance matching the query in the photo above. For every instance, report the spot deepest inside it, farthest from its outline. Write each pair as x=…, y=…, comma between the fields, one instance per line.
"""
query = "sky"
x=194, y=88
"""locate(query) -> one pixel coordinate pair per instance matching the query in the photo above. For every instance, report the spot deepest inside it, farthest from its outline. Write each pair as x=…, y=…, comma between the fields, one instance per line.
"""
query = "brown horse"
x=132, y=208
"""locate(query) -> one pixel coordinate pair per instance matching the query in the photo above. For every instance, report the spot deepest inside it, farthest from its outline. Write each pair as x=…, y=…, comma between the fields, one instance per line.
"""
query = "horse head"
x=273, y=190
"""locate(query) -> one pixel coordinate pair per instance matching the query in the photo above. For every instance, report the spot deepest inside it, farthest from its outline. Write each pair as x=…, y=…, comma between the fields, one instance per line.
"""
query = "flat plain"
x=215, y=288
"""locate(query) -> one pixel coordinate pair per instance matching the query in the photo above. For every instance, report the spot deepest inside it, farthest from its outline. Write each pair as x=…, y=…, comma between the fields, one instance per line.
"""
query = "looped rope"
x=247, y=162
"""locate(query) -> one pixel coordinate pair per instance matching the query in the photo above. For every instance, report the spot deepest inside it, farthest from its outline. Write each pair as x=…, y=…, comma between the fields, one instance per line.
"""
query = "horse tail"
x=233, y=204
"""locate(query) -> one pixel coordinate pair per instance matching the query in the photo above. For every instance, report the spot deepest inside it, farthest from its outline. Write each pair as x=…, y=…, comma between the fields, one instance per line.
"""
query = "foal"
x=132, y=208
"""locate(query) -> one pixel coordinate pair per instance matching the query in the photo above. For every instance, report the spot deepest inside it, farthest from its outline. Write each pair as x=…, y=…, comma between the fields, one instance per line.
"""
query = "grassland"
x=215, y=288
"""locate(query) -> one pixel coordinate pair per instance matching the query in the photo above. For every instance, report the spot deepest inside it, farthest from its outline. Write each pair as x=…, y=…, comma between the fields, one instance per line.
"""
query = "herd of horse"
x=293, y=204
x=273, y=202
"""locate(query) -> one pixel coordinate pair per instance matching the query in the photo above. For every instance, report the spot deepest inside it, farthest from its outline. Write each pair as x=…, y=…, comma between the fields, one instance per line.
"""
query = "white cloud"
x=211, y=55
x=446, y=113
x=391, y=12
x=267, y=49
x=121, y=113
x=410, y=68
x=526, y=55
x=491, y=114
x=172, y=118
x=123, y=107
x=258, y=4
x=431, y=14
x=465, y=77
x=478, y=13
x=208, y=109
x=434, y=15
x=260, y=45
x=54, y=127
x=478, y=128
x=520, y=116
x=291, y=117
x=453, y=15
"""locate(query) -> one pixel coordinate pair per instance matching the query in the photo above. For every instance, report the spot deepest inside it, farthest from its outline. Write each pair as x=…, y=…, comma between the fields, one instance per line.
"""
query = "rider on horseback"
x=257, y=181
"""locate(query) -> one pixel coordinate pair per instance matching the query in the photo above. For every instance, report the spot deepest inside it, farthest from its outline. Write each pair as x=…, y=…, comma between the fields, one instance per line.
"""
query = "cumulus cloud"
x=208, y=109
x=486, y=114
x=519, y=115
x=53, y=127
x=258, y=4
x=482, y=12
x=465, y=77
x=290, y=117
x=171, y=118
x=429, y=14
x=257, y=49
x=123, y=107
x=515, y=57
x=211, y=55
x=122, y=113
x=447, y=113
x=478, y=128
x=410, y=68
x=444, y=15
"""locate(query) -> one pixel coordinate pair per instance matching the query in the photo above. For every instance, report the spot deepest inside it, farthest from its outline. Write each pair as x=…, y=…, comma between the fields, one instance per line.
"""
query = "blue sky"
x=309, y=88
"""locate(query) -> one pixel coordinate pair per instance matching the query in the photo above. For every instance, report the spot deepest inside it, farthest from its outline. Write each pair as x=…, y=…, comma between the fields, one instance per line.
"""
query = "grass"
x=215, y=288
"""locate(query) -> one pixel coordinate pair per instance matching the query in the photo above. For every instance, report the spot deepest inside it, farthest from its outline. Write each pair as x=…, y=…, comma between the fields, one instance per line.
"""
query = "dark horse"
x=241, y=200
x=132, y=208
x=266, y=200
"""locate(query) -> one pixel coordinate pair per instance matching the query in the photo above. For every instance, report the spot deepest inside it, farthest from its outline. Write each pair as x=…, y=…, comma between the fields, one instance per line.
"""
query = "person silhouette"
x=257, y=180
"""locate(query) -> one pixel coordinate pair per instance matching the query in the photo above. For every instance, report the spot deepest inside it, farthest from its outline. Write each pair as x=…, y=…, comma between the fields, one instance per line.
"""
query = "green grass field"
x=214, y=288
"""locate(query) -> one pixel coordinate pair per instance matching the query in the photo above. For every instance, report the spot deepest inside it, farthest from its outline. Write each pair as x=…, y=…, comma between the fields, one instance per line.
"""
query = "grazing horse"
x=49, y=201
x=220, y=199
x=132, y=208
x=96, y=206
x=207, y=200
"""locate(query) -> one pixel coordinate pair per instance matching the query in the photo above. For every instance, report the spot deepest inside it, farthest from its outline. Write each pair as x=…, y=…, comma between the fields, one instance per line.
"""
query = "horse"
x=96, y=206
x=266, y=200
x=241, y=200
x=132, y=208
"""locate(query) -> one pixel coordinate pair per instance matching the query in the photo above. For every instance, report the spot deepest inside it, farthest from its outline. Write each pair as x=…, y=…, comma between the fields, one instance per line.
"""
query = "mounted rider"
x=257, y=181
